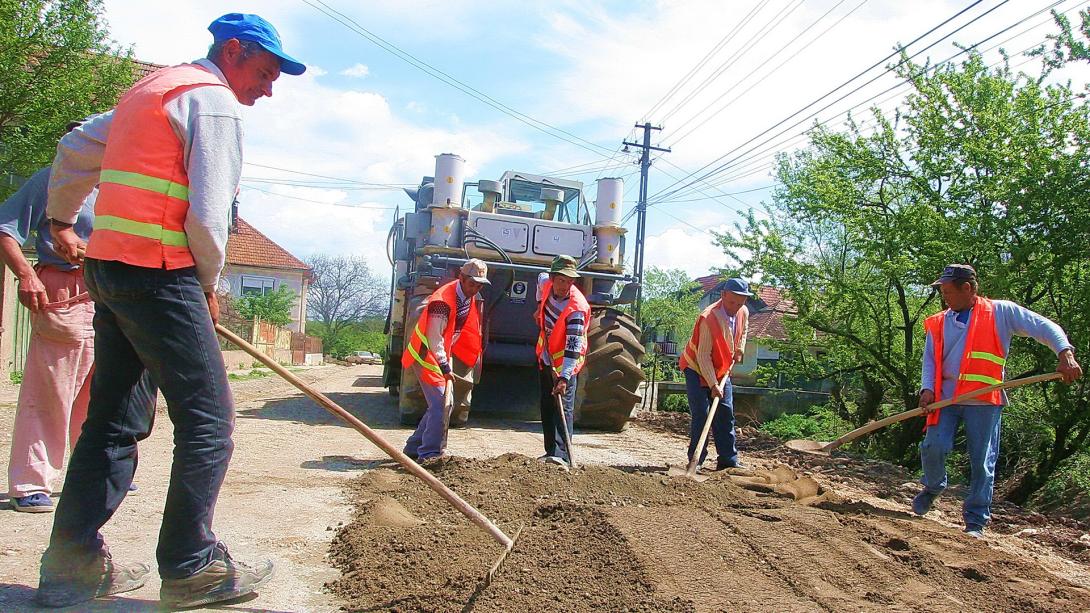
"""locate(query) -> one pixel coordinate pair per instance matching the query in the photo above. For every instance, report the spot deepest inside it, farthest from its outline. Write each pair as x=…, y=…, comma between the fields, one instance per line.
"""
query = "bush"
x=819, y=423
x=274, y=307
x=676, y=403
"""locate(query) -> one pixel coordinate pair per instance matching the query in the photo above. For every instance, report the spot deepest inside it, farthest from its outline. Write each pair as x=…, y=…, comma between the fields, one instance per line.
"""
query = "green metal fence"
x=21, y=337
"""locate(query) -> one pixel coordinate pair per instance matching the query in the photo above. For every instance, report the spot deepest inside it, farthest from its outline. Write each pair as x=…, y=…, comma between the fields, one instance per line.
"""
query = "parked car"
x=363, y=357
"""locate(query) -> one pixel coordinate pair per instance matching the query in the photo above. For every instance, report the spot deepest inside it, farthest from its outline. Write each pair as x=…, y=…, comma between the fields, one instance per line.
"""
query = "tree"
x=274, y=307
x=343, y=291
x=670, y=301
x=57, y=65
x=980, y=166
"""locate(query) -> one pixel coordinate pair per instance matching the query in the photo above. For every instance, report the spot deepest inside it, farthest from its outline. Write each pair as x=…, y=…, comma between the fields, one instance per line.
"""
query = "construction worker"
x=717, y=344
x=56, y=379
x=562, y=318
x=965, y=350
x=451, y=317
x=167, y=160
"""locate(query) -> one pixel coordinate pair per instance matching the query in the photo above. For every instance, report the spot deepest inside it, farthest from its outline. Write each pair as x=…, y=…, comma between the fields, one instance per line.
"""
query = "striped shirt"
x=575, y=334
x=438, y=313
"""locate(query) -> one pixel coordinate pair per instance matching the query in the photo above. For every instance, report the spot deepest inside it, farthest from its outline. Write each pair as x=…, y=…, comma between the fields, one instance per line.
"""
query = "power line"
x=703, y=61
x=843, y=85
x=351, y=206
x=745, y=158
x=436, y=73
x=733, y=59
x=770, y=73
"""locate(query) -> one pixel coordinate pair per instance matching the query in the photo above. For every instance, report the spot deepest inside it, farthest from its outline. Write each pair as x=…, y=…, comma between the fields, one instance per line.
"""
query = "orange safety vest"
x=143, y=194
x=466, y=348
x=983, y=361
x=722, y=354
x=576, y=303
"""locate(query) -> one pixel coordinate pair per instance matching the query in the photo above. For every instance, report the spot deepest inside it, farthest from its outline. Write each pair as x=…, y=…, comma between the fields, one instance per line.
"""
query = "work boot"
x=222, y=579
x=921, y=504
x=100, y=577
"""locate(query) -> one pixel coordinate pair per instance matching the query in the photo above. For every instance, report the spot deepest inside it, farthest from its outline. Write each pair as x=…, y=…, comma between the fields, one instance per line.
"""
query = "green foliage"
x=820, y=423
x=676, y=403
x=1068, y=45
x=365, y=335
x=16, y=376
x=57, y=65
x=253, y=374
x=274, y=307
x=670, y=300
x=980, y=165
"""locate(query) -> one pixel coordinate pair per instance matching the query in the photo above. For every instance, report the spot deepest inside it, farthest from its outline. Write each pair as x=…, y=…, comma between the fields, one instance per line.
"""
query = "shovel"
x=414, y=469
x=825, y=448
x=690, y=470
x=564, y=427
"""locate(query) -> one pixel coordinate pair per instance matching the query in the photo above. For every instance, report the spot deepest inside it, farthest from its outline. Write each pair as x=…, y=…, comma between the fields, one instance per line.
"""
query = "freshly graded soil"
x=609, y=539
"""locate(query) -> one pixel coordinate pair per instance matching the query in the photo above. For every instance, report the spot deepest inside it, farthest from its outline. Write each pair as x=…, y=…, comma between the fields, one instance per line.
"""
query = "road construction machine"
x=517, y=225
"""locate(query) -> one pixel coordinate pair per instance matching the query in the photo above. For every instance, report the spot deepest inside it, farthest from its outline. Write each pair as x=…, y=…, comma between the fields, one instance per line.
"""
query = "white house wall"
x=295, y=280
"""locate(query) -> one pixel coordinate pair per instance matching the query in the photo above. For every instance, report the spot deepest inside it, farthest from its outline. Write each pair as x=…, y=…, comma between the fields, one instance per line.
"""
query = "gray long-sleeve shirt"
x=1010, y=320
x=208, y=122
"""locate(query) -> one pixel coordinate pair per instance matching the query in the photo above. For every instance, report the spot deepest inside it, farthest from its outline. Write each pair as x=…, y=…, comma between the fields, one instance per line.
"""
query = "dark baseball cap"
x=244, y=26
x=956, y=272
x=736, y=286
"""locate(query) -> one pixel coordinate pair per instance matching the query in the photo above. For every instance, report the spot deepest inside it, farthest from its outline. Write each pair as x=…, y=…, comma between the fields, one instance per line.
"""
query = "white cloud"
x=357, y=71
x=694, y=252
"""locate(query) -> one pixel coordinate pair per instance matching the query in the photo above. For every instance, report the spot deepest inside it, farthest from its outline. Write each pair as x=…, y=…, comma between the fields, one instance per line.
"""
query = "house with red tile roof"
x=257, y=265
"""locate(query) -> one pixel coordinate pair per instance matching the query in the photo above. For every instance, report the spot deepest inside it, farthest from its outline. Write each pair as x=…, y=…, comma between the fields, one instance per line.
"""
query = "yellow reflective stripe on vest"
x=153, y=231
x=146, y=182
x=991, y=357
x=416, y=356
x=980, y=379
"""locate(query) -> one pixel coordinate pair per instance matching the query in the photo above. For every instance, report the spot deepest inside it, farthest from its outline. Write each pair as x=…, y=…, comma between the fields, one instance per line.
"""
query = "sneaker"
x=133, y=489
x=222, y=579
x=735, y=463
x=33, y=503
x=101, y=577
x=921, y=504
x=544, y=458
x=976, y=532
x=561, y=462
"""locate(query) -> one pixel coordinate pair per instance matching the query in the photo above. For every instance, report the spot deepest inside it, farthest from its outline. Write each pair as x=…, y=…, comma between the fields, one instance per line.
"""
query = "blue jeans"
x=149, y=324
x=700, y=401
x=430, y=437
x=982, y=424
x=550, y=418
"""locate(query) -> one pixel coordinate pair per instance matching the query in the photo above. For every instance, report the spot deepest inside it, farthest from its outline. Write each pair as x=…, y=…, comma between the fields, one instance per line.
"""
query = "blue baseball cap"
x=737, y=286
x=244, y=26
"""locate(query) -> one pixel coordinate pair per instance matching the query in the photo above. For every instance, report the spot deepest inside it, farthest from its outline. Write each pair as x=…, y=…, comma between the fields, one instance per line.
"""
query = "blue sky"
x=362, y=116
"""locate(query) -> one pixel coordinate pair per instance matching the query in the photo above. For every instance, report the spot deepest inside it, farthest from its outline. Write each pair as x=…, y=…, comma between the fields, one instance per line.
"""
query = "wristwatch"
x=59, y=224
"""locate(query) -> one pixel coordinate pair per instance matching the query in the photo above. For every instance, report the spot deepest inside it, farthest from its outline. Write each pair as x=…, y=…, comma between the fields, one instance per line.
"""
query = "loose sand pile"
x=604, y=539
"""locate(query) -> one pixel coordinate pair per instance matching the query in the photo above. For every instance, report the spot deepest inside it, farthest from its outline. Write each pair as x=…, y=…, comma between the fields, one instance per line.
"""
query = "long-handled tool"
x=824, y=448
x=564, y=426
x=690, y=470
x=415, y=469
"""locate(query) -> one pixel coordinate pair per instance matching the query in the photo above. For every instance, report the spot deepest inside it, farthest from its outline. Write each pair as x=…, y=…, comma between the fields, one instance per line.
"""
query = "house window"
x=257, y=286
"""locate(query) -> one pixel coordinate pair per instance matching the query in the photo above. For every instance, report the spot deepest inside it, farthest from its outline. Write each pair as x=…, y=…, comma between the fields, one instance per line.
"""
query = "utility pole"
x=641, y=208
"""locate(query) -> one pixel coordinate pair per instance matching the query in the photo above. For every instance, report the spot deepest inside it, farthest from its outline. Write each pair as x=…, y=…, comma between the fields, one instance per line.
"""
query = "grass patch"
x=253, y=374
x=16, y=376
x=819, y=423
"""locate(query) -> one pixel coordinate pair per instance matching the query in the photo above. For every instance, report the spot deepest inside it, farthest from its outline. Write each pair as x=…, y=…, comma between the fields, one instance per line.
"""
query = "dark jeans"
x=550, y=420
x=700, y=400
x=149, y=323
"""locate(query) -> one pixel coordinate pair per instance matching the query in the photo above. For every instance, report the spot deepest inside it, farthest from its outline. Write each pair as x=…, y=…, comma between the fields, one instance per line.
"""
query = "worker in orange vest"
x=167, y=161
x=449, y=327
x=717, y=344
x=562, y=319
x=965, y=350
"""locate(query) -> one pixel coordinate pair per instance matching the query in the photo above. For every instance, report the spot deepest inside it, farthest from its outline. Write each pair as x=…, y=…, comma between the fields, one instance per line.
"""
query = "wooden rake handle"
x=892, y=419
x=415, y=469
x=691, y=469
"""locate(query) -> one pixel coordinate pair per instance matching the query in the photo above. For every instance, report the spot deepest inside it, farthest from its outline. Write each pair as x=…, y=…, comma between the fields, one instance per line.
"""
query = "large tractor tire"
x=609, y=381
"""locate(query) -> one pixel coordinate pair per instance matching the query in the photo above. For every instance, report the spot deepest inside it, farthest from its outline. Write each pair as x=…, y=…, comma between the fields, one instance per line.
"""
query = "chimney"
x=233, y=227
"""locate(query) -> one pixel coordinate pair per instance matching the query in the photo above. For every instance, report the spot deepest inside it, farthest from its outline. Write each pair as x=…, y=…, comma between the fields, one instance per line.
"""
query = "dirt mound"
x=602, y=538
